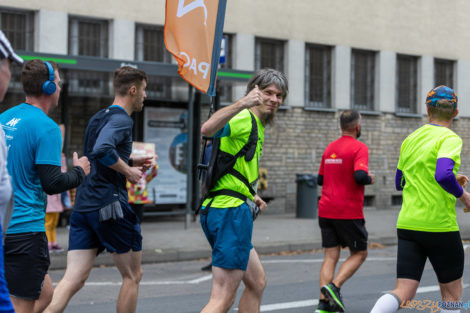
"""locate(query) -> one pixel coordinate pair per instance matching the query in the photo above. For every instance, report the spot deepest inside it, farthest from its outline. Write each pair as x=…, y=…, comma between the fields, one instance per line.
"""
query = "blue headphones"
x=49, y=86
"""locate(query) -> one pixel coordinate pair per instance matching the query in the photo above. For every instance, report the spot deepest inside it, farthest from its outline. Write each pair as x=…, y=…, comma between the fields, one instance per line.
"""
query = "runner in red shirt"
x=343, y=174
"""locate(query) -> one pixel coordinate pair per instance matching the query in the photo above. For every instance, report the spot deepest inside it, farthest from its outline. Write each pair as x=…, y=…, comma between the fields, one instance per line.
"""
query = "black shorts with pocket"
x=26, y=264
x=444, y=250
x=340, y=232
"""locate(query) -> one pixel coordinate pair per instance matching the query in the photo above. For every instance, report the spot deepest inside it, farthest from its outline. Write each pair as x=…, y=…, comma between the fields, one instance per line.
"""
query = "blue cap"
x=439, y=93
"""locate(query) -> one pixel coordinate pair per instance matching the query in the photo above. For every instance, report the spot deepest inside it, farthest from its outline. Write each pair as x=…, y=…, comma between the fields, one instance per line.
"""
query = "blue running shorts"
x=86, y=232
x=229, y=232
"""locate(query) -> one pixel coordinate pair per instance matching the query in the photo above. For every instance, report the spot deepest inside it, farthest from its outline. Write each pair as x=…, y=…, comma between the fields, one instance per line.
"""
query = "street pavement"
x=165, y=239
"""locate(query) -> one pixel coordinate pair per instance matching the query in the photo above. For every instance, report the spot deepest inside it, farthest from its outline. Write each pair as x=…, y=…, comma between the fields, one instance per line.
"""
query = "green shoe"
x=334, y=296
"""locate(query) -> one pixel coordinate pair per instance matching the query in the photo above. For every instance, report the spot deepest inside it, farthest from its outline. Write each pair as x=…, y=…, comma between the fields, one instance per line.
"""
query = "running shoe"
x=324, y=307
x=56, y=248
x=334, y=296
x=207, y=268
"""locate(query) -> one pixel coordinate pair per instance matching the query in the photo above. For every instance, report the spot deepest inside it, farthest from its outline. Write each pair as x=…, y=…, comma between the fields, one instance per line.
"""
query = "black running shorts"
x=26, y=264
x=444, y=250
x=350, y=233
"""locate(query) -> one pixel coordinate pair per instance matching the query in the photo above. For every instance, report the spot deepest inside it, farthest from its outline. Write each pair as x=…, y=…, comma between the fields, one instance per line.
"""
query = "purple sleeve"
x=446, y=178
x=399, y=180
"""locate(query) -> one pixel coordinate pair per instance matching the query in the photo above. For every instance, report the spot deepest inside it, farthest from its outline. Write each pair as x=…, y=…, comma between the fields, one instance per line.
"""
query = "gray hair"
x=266, y=77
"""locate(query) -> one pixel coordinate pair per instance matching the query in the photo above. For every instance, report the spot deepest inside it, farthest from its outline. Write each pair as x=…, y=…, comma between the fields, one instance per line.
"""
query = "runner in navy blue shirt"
x=102, y=218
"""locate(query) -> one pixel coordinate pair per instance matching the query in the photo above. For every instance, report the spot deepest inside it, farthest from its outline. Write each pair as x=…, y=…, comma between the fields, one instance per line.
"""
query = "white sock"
x=387, y=303
x=449, y=311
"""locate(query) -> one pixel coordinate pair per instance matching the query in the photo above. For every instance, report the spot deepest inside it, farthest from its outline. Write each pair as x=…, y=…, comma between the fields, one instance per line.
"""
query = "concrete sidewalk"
x=166, y=240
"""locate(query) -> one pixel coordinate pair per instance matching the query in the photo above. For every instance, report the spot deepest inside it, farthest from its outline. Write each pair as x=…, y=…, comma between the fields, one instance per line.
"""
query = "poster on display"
x=167, y=129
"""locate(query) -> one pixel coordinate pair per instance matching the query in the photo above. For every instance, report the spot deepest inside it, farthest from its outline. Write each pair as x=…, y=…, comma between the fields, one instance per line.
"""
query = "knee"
x=75, y=283
x=403, y=295
x=258, y=284
x=362, y=255
x=135, y=277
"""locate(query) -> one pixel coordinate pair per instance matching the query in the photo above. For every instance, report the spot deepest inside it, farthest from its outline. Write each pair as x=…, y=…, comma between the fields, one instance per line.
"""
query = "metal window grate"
x=18, y=26
x=269, y=53
x=88, y=37
x=407, y=84
x=318, y=76
x=89, y=83
x=158, y=87
x=444, y=72
x=149, y=44
x=362, y=79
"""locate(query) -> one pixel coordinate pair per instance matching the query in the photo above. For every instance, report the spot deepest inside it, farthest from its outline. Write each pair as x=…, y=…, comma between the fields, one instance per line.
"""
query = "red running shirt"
x=341, y=196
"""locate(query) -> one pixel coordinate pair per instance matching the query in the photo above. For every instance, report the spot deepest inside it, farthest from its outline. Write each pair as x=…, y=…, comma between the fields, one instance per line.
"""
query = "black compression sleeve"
x=54, y=181
x=320, y=180
x=362, y=178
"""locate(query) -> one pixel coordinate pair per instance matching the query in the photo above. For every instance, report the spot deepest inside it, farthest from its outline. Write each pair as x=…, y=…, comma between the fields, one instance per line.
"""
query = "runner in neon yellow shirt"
x=233, y=136
x=427, y=226
x=227, y=221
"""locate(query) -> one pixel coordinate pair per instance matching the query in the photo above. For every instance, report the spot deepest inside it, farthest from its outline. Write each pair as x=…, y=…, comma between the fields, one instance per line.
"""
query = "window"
x=228, y=51
x=407, y=83
x=158, y=87
x=318, y=76
x=397, y=200
x=18, y=26
x=362, y=80
x=88, y=37
x=89, y=83
x=269, y=53
x=444, y=72
x=224, y=88
x=149, y=44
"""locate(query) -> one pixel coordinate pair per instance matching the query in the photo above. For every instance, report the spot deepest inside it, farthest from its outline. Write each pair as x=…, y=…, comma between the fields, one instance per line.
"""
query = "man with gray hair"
x=7, y=57
x=231, y=205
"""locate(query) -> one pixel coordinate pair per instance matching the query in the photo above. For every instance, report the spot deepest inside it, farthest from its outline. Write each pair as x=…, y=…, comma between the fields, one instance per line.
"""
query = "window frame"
x=75, y=38
x=278, y=52
x=412, y=104
x=370, y=88
x=139, y=44
x=449, y=72
x=29, y=23
x=326, y=63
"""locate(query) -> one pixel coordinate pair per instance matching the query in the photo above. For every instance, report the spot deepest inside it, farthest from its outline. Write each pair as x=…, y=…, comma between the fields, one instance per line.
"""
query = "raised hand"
x=82, y=162
x=253, y=98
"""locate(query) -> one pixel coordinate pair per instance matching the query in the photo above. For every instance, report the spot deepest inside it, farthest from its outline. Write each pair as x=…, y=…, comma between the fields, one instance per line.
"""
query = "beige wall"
x=421, y=27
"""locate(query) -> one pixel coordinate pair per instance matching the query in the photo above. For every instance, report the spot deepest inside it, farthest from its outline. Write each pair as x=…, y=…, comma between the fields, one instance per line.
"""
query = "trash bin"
x=307, y=205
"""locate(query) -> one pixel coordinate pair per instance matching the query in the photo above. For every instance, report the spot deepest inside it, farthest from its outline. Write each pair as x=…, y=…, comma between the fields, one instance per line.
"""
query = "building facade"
x=377, y=56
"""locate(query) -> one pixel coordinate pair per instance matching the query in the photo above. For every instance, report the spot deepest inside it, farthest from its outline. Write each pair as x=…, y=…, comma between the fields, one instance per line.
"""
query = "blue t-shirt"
x=32, y=138
x=108, y=137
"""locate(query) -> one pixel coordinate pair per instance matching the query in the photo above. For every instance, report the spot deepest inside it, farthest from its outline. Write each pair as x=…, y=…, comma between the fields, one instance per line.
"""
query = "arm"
x=320, y=180
x=133, y=174
x=220, y=118
x=399, y=180
x=362, y=178
x=117, y=130
x=361, y=167
x=260, y=203
x=445, y=177
x=53, y=181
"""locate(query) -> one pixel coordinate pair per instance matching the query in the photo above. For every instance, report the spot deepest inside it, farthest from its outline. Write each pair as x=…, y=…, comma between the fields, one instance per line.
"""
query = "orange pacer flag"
x=193, y=31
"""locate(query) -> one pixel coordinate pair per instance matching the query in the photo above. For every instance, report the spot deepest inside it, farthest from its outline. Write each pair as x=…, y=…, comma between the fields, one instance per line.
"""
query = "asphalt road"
x=181, y=287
